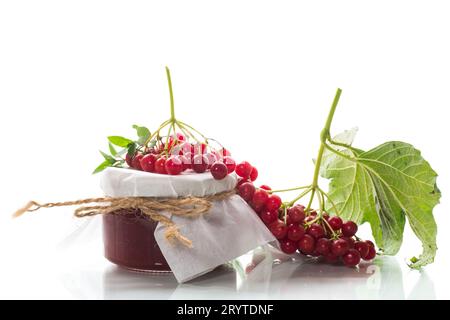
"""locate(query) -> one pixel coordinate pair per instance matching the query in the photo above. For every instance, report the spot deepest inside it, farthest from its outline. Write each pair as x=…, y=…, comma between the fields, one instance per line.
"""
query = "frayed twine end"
x=26, y=208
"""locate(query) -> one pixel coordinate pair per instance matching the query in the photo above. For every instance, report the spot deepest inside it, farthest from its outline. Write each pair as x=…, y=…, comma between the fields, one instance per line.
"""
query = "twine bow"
x=189, y=207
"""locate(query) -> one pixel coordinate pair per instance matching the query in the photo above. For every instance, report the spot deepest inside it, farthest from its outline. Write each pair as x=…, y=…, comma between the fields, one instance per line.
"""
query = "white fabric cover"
x=230, y=229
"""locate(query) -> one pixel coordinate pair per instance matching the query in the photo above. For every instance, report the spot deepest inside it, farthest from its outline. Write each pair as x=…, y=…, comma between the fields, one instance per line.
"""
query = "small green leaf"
x=131, y=149
x=105, y=164
x=119, y=141
x=143, y=134
x=108, y=158
x=112, y=150
x=385, y=186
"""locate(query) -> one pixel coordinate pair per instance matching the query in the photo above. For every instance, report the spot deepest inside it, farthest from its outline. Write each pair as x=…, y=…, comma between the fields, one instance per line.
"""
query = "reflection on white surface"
x=246, y=279
x=77, y=270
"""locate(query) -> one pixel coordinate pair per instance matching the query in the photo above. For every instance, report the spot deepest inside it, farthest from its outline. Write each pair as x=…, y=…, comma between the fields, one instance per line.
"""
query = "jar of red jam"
x=129, y=241
x=128, y=234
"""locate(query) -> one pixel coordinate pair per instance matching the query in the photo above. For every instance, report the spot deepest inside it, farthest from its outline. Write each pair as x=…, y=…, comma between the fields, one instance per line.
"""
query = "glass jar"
x=129, y=241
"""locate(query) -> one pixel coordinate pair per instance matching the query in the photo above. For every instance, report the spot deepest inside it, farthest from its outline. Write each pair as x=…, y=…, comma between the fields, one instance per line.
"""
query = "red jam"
x=129, y=242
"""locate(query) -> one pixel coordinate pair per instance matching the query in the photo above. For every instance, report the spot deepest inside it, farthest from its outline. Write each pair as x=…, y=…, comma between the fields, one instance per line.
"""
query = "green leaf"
x=143, y=134
x=105, y=164
x=384, y=186
x=131, y=149
x=108, y=158
x=119, y=141
x=112, y=150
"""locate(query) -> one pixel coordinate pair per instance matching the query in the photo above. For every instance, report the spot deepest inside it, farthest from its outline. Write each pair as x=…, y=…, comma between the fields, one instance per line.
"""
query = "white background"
x=257, y=75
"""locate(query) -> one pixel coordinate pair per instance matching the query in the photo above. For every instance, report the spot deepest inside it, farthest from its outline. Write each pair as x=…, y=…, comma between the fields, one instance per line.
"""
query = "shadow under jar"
x=129, y=241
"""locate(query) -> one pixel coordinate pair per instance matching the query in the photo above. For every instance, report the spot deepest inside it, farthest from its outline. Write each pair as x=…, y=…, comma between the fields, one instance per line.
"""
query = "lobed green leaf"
x=385, y=186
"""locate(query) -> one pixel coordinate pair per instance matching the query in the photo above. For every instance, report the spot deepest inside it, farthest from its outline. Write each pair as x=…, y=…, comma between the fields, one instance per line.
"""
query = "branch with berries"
x=384, y=186
x=174, y=147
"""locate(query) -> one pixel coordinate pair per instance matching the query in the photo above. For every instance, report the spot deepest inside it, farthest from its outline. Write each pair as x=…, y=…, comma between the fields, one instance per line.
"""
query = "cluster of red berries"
x=180, y=156
x=308, y=232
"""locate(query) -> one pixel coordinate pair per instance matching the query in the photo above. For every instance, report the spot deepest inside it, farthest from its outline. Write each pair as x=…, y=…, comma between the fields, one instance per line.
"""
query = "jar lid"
x=122, y=182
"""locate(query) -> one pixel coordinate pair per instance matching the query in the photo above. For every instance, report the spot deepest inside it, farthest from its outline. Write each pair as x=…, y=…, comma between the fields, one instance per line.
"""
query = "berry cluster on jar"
x=304, y=231
x=180, y=155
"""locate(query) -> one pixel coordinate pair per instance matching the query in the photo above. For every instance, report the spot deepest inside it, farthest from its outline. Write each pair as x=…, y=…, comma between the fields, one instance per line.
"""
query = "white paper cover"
x=230, y=229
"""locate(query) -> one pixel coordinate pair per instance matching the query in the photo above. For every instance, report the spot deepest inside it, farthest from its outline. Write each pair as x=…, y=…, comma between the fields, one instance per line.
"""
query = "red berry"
x=211, y=159
x=323, y=246
x=296, y=213
x=371, y=254
x=199, y=163
x=219, y=170
x=351, y=258
x=160, y=165
x=313, y=213
x=257, y=207
x=174, y=166
x=148, y=162
x=244, y=169
x=254, y=174
x=136, y=162
x=265, y=187
x=288, y=246
x=186, y=161
x=129, y=160
x=362, y=248
x=260, y=197
x=316, y=230
x=306, y=244
x=268, y=217
x=278, y=229
x=349, y=229
x=246, y=191
x=273, y=202
x=339, y=247
x=295, y=232
x=241, y=181
x=309, y=219
x=335, y=222
x=370, y=243
x=230, y=163
x=350, y=241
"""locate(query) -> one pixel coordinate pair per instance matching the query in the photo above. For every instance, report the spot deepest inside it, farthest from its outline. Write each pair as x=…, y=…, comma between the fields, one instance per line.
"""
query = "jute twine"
x=189, y=207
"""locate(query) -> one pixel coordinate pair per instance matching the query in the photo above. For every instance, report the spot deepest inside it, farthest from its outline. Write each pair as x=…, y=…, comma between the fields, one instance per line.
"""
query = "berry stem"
x=330, y=228
x=304, y=193
x=323, y=137
x=173, y=123
x=172, y=104
x=331, y=201
x=290, y=189
x=166, y=146
x=321, y=202
x=185, y=132
x=195, y=130
x=311, y=198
